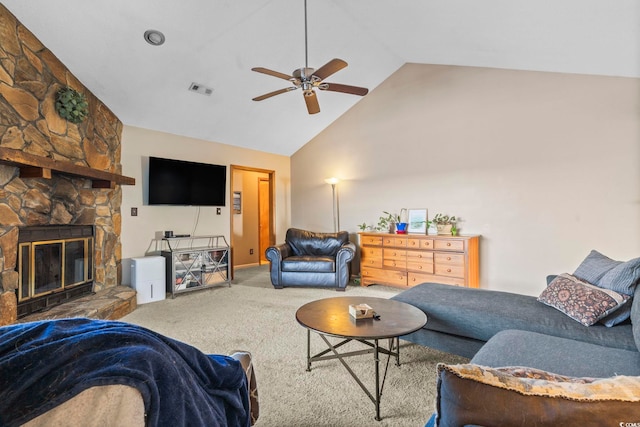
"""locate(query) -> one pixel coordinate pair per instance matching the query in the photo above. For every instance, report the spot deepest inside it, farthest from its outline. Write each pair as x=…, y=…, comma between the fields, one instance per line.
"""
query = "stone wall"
x=30, y=76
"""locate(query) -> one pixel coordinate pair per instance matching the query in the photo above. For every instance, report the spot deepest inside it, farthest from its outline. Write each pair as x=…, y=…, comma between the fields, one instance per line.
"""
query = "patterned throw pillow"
x=580, y=300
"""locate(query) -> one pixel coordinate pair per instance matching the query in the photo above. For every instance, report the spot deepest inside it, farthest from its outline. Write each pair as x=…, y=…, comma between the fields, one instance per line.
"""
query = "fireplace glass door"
x=77, y=258
x=47, y=267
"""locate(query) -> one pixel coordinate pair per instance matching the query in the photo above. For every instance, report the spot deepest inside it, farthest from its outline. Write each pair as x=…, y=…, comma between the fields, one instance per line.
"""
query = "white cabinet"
x=196, y=262
x=148, y=278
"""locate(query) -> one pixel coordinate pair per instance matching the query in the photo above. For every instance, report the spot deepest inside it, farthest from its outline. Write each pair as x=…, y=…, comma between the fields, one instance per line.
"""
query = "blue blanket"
x=43, y=364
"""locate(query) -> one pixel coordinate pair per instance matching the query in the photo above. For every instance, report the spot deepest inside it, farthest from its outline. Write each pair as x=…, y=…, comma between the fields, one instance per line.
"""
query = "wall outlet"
x=218, y=211
x=250, y=251
x=134, y=211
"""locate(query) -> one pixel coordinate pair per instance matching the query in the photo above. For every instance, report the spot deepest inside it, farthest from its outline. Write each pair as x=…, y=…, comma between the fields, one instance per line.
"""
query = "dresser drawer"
x=417, y=243
x=426, y=244
x=394, y=258
x=449, y=259
x=420, y=266
x=396, y=254
x=449, y=245
x=391, y=277
x=369, y=240
x=371, y=257
x=395, y=242
x=419, y=278
x=449, y=270
x=371, y=253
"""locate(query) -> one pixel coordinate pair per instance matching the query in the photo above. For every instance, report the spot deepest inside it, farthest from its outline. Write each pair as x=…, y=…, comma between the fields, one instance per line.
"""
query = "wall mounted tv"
x=177, y=182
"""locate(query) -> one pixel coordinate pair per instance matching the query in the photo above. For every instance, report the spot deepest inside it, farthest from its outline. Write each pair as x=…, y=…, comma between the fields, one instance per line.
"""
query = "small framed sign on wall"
x=237, y=202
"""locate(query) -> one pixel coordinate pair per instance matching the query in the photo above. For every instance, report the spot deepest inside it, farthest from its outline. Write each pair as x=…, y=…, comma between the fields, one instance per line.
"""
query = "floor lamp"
x=336, y=203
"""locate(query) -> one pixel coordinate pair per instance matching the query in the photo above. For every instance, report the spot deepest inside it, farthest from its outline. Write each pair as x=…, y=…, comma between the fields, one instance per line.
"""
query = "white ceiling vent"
x=201, y=89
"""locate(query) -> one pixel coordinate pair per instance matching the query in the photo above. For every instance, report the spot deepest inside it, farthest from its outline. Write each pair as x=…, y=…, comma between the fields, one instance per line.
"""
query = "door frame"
x=272, y=205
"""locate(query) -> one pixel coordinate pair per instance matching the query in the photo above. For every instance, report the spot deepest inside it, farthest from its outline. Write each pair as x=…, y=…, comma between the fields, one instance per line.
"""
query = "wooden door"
x=264, y=217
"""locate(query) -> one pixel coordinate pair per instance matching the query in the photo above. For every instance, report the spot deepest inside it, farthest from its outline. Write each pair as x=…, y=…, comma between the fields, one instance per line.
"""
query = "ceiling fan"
x=308, y=79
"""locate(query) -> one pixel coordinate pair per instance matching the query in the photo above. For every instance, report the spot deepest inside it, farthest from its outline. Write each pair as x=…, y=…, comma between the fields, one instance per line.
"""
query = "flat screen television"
x=182, y=183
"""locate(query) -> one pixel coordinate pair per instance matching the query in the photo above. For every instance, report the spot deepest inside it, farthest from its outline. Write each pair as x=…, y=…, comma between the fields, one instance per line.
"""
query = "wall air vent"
x=201, y=89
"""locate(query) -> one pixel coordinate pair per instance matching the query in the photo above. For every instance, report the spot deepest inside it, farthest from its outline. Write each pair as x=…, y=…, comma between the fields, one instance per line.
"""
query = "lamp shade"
x=332, y=180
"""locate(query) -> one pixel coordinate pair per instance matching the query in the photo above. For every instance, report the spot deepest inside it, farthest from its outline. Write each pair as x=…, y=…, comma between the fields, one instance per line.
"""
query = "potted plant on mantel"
x=445, y=224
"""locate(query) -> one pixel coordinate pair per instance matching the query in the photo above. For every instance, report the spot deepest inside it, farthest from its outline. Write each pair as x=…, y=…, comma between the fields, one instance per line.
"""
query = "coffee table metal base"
x=374, y=347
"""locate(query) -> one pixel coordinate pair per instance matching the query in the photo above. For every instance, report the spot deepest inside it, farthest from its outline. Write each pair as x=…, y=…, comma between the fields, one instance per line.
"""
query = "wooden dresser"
x=410, y=259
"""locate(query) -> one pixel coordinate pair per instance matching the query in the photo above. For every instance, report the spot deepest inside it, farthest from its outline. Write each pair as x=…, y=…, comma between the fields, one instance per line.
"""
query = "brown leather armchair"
x=311, y=259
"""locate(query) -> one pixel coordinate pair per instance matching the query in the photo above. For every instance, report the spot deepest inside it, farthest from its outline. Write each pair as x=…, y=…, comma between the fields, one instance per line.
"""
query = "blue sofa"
x=505, y=329
x=531, y=364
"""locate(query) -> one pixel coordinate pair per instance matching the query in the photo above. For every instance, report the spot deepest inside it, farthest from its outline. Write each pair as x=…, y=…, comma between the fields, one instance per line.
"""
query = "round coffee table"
x=330, y=317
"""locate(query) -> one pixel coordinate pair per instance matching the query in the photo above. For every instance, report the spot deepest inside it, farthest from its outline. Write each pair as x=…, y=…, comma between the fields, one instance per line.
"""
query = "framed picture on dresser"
x=417, y=221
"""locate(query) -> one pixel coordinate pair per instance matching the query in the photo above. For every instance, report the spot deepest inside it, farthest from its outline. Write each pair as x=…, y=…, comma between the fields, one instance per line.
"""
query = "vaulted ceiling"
x=216, y=43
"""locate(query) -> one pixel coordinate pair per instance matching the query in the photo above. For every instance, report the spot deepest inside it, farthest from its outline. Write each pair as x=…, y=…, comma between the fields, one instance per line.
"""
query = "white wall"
x=544, y=166
x=139, y=231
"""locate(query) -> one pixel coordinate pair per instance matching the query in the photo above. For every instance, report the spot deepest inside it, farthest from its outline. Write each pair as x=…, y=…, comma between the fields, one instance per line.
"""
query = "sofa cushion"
x=580, y=300
x=594, y=266
x=635, y=317
x=305, y=242
x=563, y=356
x=481, y=313
x=604, y=272
x=309, y=263
x=470, y=394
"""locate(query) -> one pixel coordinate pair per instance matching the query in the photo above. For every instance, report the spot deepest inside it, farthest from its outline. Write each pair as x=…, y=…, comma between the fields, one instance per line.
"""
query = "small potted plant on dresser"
x=387, y=223
x=444, y=224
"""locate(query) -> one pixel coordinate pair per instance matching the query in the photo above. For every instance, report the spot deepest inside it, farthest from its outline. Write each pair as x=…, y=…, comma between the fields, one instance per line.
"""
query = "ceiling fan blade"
x=274, y=93
x=336, y=87
x=272, y=73
x=329, y=68
x=312, y=102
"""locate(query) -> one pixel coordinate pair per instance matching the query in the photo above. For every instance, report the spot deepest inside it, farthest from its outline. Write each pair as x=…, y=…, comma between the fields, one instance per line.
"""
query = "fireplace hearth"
x=55, y=265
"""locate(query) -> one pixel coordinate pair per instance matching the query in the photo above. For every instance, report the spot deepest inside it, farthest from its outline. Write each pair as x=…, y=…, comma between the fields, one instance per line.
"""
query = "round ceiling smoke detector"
x=154, y=37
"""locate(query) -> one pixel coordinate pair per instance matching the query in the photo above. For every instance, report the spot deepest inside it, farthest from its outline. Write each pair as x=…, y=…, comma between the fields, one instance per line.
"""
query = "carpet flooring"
x=251, y=315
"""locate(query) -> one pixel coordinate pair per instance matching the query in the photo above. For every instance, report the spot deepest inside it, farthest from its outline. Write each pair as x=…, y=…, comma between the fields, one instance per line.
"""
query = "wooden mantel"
x=32, y=166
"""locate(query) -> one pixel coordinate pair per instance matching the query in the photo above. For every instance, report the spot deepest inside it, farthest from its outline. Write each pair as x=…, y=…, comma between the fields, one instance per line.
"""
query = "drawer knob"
x=420, y=267
x=448, y=270
x=448, y=258
x=448, y=244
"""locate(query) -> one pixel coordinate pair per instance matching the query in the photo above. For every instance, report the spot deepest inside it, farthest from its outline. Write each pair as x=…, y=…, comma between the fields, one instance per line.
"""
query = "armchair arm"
x=275, y=255
x=346, y=253
x=344, y=256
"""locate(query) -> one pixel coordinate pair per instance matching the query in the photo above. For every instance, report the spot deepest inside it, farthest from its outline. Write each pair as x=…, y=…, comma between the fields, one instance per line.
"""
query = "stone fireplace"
x=53, y=172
